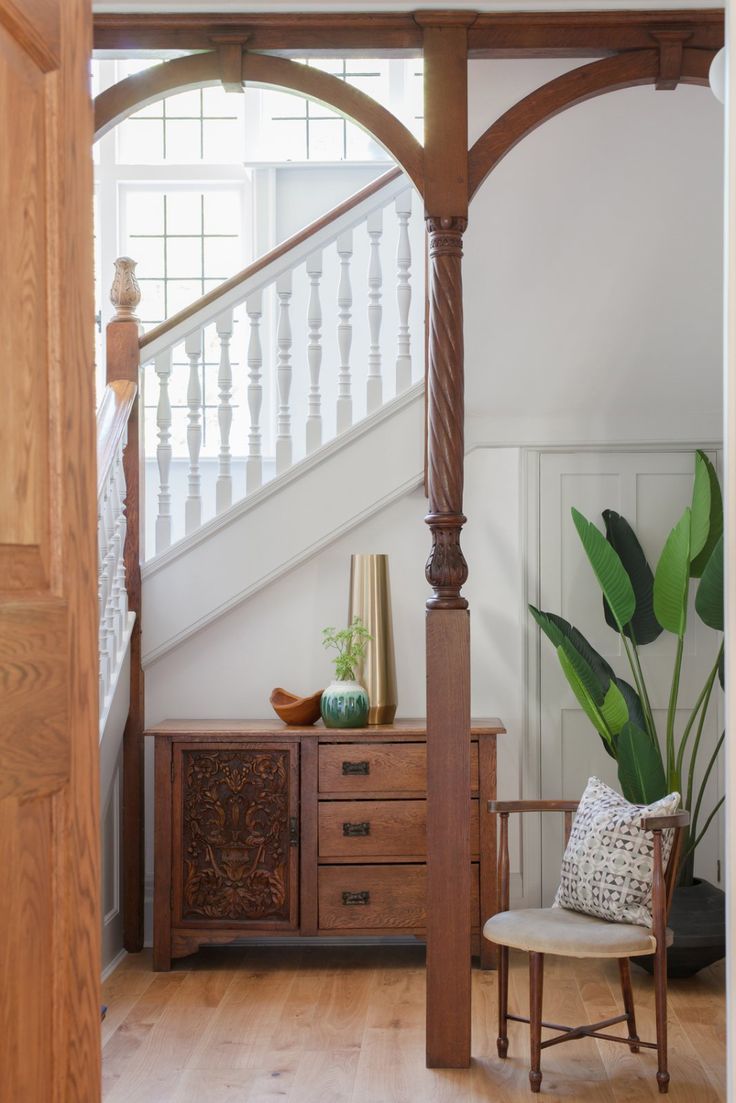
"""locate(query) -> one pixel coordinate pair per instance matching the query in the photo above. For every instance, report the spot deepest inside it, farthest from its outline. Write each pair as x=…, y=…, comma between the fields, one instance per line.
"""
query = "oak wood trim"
x=198, y=70
x=587, y=81
x=286, y=246
x=492, y=34
x=112, y=421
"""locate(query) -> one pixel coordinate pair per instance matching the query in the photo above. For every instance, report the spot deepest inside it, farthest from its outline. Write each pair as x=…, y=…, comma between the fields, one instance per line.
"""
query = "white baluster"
x=116, y=555
x=374, y=385
x=122, y=612
x=344, y=333
x=224, y=488
x=314, y=353
x=163, y=451
x=102, y=597
x=253, y=466
x=193, y=506
x=403, y=293
x=110, y=565
x=283, y=338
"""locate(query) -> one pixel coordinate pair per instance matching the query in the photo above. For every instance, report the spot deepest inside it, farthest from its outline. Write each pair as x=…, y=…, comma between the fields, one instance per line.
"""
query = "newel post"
x=448, y=620
x=123, y=362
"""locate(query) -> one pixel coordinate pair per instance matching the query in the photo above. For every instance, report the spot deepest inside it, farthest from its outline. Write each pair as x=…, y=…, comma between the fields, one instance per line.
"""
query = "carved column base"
x=446, y=570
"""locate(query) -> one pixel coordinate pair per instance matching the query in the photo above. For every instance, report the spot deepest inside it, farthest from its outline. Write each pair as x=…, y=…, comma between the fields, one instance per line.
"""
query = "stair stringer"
x=283, y=524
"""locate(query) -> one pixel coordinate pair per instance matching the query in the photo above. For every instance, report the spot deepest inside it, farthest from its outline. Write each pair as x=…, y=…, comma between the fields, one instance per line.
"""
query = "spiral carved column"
x=446, y=568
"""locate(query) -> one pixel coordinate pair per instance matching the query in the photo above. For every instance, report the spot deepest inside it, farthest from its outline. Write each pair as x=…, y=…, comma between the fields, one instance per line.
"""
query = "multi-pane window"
x=202, y=125
x=185, y=240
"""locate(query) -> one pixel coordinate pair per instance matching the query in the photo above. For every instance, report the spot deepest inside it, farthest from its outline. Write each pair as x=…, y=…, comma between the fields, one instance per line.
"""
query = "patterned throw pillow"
x=608, y=865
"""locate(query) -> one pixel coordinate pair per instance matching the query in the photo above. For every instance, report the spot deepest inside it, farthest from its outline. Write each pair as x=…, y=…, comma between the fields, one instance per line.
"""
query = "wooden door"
x=650, y=489
x=49, y=926
x=235, y=836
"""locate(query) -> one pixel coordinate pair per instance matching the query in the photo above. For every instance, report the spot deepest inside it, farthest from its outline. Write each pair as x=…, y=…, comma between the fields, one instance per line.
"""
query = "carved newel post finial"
x=125, y=294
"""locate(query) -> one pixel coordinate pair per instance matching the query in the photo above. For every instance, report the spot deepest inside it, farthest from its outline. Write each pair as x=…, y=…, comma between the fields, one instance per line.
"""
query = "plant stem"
x=692, y=845
x=704, y=782
x=672, y=778
x=633, y=656
x=704, y=700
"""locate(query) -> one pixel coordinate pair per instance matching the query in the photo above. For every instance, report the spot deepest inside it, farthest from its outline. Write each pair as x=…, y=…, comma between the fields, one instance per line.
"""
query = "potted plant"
x=345, y=702
x=639, y=605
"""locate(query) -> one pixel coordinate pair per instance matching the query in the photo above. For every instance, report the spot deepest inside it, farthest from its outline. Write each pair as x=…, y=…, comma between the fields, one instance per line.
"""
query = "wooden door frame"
x=660, y=48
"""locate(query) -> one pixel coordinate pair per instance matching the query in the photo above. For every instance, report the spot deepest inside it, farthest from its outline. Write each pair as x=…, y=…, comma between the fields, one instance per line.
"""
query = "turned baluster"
x=121, y=614
x=224, y=488
x=403, y=293
x=116, y=554
x=193, y=506
x=374, y=385
x=110, y=568
x=314, y=353
x=344, y=333
x=254, y=463
x=102, y=599
x=284, y=373
x=163, y=451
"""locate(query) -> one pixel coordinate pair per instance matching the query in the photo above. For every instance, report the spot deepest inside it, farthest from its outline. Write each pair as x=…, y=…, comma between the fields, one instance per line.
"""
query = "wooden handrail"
x=263, y=262
x=112, y=422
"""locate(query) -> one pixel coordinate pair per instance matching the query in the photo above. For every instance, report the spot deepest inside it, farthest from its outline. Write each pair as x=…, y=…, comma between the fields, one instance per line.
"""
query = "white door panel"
x=650, y=490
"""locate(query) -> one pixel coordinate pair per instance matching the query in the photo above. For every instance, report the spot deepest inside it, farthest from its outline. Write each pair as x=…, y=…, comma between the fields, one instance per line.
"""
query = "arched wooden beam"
x=625, y=70
x=199, y=70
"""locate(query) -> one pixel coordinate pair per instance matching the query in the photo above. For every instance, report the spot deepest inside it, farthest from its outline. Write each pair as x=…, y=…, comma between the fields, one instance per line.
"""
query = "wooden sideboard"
x=263, y=829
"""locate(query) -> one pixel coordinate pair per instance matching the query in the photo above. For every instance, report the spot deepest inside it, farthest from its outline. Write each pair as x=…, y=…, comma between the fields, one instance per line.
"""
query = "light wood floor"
x=347, y=1026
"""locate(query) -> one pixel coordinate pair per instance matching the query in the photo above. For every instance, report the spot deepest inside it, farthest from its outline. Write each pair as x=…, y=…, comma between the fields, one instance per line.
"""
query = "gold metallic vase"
x=370, y=599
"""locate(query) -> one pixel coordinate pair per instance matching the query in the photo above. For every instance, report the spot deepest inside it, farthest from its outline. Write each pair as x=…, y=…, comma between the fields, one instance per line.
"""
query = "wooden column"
x=123, y=360
x=448, y=625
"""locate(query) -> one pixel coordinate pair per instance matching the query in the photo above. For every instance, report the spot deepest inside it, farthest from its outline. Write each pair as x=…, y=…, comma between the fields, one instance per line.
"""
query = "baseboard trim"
x=112, y=966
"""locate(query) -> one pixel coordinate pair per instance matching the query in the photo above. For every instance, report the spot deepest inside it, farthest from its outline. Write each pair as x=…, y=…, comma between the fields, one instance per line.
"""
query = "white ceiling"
x=249, y=6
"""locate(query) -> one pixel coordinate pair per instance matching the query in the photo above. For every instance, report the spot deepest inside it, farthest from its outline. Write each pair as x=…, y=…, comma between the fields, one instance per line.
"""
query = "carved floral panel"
x=235, y=834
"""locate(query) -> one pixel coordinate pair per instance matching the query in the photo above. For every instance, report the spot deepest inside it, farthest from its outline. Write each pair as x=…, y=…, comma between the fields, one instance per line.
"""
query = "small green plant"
x=350, y=644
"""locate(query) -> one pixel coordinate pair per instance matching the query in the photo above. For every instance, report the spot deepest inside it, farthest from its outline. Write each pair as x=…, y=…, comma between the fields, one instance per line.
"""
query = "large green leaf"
x=643, y=626
x=700, y=507
x=709, y=598
x=608, y=569
x=558, y=629
x=604, y=704
x=640, y=768
x=633, y=703
x=671, y=578
x=715, y=528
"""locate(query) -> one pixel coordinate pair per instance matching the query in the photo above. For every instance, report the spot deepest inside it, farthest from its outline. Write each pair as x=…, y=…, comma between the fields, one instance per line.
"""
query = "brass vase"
x=370, y=599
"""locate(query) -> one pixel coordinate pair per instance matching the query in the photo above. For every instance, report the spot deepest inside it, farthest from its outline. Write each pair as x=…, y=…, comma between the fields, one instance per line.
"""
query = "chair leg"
x=536, y=979
x=660, y=1003
x=502, y=1042
x=628, y=995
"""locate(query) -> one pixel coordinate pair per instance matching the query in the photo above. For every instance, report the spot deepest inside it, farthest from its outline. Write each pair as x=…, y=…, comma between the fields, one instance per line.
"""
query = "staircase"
x=317, y=424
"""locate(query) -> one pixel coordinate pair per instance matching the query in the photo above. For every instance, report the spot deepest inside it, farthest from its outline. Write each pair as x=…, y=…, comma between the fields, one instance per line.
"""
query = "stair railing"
x=113, y=417
x=292, y=383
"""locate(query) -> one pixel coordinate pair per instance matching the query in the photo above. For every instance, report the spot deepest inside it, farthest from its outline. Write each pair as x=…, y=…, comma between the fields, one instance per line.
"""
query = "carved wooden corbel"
x=671, y=46
x=231, y=53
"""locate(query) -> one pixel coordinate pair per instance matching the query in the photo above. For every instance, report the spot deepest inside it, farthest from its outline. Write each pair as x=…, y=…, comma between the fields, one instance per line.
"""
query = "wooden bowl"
x=297, y=711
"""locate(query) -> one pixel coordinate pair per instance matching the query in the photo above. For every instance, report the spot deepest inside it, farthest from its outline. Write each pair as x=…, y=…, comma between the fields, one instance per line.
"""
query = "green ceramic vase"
x=345, y=705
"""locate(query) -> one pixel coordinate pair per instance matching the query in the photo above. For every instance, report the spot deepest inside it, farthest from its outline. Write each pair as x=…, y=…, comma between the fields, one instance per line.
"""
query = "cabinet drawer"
x=387, y=897
x=379, y=829
x=379, y=768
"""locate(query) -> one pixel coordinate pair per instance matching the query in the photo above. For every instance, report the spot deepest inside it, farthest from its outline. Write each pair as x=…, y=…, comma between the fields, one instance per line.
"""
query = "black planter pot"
x=698, y=921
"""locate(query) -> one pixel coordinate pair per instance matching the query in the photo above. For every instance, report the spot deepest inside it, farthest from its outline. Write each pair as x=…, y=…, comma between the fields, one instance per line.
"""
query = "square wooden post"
x=448, y=624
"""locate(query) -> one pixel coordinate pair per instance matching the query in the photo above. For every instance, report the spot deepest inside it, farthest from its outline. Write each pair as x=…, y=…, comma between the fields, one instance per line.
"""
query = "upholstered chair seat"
x=569, y=934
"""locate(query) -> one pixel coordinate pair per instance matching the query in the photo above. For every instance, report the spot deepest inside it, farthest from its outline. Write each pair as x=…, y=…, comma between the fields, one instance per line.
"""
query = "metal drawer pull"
x=353, y=829
x=353, y=898
x=356, y=768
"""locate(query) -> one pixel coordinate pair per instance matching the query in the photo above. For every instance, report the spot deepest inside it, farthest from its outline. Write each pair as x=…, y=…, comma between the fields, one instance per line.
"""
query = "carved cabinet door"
x=235, y=835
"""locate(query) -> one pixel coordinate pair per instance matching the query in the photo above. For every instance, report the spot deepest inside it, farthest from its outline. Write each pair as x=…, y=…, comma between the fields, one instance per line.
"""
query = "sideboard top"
x=275, y=729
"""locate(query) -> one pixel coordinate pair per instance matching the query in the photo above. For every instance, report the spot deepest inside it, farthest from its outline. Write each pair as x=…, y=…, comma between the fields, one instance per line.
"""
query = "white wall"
x=593, y=316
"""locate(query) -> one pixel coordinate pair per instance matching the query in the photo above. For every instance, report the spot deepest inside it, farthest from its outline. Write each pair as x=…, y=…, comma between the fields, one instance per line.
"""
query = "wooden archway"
x=625, y=70
x=200, y=70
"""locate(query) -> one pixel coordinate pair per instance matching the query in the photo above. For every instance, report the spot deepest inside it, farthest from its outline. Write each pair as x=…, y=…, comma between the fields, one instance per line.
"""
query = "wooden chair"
x=542, y=931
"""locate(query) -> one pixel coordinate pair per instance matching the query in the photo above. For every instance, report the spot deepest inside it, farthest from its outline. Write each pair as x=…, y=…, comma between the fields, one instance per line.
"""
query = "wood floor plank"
x=346, y=1025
